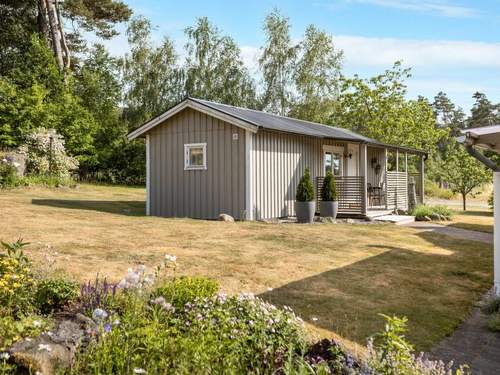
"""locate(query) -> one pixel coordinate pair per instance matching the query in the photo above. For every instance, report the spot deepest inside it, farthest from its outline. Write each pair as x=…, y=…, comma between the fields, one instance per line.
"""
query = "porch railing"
x=397, y=190
x=349, y=191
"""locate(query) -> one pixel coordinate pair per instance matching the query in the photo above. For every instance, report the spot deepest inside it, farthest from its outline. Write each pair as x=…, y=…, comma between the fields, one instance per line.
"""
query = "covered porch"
x=373, y=180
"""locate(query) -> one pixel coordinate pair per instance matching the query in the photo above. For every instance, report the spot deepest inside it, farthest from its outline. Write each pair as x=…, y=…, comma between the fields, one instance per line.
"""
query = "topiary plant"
x=329, y=189
x=305, y=189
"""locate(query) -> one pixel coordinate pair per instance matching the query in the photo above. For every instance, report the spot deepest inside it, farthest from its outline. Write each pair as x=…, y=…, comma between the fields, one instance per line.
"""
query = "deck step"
x=396, y=219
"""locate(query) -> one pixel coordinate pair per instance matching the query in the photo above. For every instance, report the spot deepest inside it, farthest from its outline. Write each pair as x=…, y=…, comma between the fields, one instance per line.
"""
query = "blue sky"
x=452, y=45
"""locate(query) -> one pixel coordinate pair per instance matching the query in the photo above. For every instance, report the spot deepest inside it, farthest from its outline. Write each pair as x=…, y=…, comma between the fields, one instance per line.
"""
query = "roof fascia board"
x=188, y=103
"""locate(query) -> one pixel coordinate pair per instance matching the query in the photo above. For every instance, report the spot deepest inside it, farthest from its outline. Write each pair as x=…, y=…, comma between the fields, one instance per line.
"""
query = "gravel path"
x=465, y=234
x=472, y=343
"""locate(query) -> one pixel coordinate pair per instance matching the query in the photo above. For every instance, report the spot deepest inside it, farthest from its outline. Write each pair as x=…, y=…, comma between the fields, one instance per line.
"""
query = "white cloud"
x=435, y=7
x=382, y=52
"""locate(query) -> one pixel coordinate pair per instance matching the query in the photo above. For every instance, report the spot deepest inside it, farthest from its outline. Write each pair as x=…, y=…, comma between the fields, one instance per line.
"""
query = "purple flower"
x=107, y=328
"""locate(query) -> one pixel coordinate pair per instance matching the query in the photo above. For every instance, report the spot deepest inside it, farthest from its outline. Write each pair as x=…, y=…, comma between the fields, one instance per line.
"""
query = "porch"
x=374, y=181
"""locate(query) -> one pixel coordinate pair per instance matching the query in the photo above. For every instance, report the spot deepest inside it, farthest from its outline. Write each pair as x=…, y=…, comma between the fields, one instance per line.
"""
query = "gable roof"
x=253, y=120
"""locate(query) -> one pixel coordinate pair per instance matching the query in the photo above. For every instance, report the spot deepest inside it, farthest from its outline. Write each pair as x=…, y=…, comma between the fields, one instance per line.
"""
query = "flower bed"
x=154, y=322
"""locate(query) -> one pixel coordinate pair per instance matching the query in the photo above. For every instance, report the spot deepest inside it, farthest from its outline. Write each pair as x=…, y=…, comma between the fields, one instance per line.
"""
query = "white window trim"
x=188, y=167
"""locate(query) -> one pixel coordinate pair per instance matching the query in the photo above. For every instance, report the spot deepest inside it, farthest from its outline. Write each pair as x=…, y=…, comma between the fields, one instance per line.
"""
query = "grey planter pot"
x=305, y=211
x=329, y=209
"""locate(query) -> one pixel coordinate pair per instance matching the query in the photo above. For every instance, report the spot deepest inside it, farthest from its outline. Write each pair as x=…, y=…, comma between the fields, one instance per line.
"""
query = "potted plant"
x=329, y=205
x=305, y=206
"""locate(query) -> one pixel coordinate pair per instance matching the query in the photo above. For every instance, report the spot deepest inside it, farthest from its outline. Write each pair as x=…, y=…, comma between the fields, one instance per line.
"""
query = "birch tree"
x=316, y=76
x=277, y=64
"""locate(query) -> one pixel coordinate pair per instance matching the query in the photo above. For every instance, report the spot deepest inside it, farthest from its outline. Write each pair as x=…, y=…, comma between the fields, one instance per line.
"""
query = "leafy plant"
x=434, y=191
x=305, y=189
x=182, y=290
x=329, y=189
x=53, y=294
x=16, y=280
x=494, y=322
x=423, y=212
x=12, y=330
x=98, y=294
x=8, y=175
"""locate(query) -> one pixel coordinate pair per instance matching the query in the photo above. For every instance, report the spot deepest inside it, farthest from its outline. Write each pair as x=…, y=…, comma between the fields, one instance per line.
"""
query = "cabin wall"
x=204, y=194
x=279, y=161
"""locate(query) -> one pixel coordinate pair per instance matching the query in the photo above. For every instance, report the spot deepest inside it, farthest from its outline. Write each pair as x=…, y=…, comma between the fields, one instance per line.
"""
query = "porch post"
x=385, y=179
x=363, y=154
x=406, y=173
x=397, y=182
x=496, y=233
x=422, y=193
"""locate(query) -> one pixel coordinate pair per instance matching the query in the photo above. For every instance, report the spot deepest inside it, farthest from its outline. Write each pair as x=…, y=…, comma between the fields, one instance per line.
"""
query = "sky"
x=451, y=46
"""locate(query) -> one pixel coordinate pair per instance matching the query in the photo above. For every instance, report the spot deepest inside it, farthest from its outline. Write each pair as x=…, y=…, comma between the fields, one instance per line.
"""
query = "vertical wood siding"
x=202, y=194
x=279, y=161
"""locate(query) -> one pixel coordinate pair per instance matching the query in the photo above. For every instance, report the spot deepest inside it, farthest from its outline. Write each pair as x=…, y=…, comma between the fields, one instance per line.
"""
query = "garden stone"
x=435, y=216
x=426, y=218
x=227, y=218
x=53, y=350
x=18, y=161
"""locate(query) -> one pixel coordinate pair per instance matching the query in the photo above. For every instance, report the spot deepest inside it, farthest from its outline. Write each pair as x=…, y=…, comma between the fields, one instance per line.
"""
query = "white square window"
x=195, y=156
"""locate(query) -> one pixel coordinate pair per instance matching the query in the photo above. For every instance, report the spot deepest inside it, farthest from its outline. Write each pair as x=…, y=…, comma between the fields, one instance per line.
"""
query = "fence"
x=349, y=192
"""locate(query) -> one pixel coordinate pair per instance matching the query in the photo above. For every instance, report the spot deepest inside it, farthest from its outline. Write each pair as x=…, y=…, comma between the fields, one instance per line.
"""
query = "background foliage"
x=52, y=77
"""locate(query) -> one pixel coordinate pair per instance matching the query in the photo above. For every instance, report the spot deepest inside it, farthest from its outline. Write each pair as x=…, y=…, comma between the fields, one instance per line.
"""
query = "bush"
x=491, y=200
x=305, y=189
x=12, y=330
x=46, y=154
x=433, y=190
x=329, y=189
x=8, y=175
x=49, y=181
x=54, y=294
x=239, y=334
x=423, y=212
x=182, y=290
x=491, y=305
x=390, y=353
x=494, y=322
x=16, y=280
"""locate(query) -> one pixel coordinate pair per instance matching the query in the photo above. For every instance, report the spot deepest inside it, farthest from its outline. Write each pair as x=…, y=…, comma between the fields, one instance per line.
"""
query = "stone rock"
x=350, y=221
x=53, y=350
x=328, y=220
x=17, y=160
x=426, y=218
x=226, y=218
x=435, y=216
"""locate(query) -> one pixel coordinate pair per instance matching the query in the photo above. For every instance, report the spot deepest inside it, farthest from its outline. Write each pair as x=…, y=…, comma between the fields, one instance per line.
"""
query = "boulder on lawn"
x=17, y=160
x=226, y=218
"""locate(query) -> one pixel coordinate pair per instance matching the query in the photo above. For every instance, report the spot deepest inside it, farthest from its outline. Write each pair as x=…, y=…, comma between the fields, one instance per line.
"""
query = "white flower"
x=99, y=314
x=37, y=323
x=138, y=370
x=149, y=279
x=314, y=319
x=140, y=268
x=42, y=347
x=171, y=258
x=116, y=322
x=5, y=356
x=122, y=284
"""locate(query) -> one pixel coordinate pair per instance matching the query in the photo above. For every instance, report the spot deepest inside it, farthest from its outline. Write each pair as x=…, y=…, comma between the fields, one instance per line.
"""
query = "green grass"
x=337, y=277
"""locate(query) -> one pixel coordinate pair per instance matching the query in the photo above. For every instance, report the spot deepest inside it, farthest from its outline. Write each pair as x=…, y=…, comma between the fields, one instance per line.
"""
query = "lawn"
x=338, y=277
x=474, y=219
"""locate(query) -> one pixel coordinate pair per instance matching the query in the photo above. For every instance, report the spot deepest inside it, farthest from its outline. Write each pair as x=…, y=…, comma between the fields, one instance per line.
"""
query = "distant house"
x=206, y=158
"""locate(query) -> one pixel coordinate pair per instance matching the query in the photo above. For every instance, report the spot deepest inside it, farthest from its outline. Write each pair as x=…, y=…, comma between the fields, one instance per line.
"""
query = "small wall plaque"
x=235, y=136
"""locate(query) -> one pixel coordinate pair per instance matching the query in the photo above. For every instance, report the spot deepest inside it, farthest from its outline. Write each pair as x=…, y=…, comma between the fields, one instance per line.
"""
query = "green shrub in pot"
x=305, y=206
x=328, y=207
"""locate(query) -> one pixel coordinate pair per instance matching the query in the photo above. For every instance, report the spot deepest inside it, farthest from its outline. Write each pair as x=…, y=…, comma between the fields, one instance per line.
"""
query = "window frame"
x=187, y=148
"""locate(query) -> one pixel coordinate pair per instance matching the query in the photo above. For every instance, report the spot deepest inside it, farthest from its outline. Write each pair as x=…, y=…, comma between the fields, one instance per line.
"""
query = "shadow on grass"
x=424, y=287
x=486, y=228
x=129, y=208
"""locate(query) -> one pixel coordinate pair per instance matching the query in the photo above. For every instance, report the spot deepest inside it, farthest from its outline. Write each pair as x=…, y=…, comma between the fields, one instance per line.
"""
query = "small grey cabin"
x=206, y=158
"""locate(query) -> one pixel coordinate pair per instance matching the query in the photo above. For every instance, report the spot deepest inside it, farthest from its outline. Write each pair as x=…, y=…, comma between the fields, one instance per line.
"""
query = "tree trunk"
x=64, y=45
x=55, y=34
x=464, y=196
x=43, y=21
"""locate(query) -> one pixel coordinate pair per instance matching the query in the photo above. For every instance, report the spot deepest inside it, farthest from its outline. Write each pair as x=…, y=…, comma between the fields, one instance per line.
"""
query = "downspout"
x=483, y=159
x=496, y=211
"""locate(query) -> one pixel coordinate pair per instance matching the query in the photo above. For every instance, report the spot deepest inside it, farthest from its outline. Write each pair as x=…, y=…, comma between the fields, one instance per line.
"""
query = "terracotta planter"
x=305, y=211
x=328, y=208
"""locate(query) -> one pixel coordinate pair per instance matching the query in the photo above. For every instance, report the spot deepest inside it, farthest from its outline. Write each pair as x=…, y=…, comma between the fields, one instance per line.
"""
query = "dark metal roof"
x=286, y=124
